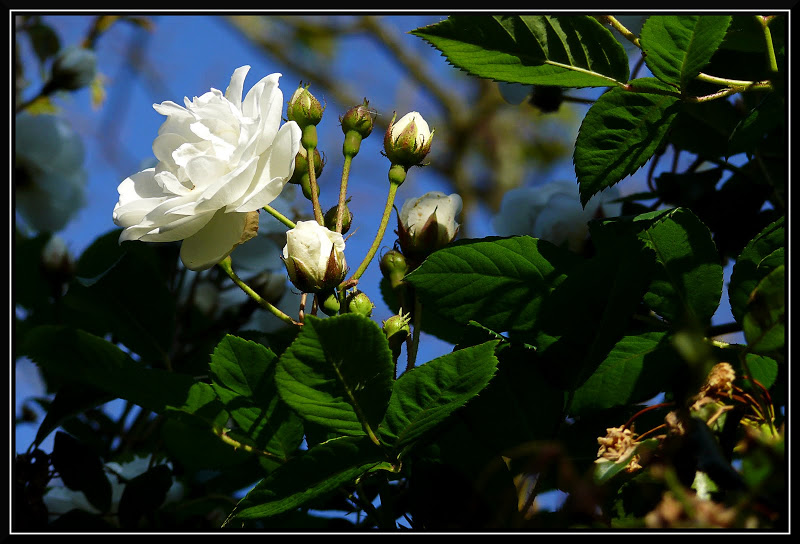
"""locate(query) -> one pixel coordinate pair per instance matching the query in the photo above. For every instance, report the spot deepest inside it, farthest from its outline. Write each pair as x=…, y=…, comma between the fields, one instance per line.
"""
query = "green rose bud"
x=330, y=303
x=397, y=329
x=393, y=267
x=304, y=109
x=359, y=303
x=301, y=165
x=347, y=217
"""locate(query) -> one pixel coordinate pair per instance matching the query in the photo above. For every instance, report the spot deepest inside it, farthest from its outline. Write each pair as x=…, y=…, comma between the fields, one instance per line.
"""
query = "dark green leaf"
x=688, y=281
x=620, y=133
x=746, y=272
x=751, y=131
x=563, y=50
x=338, y=373
x=244, y=380
x=424, y=396
x=81, y=470
x=677, y=47
x=764, y=321
x=317, y=472
x=69, y=401
x=82, y=358
x=499, y=282
x=143, y=495
x=636, y=369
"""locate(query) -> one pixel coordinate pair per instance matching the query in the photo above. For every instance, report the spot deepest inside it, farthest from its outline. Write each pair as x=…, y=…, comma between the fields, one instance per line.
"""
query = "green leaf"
x=620, y=133
x=70, y=400
x=116, y=291
x=764, y=322
x=677, y=47
x=751, y=131
x=637, y=368
x=338, y=373
x=688, y=281
x=606, y=469
x=424, y=396
x=78, y=357
x=562, y=50
x=588, y=313
x=243, y=374
x=317, y=472
x=499, y=282
x=746, y=272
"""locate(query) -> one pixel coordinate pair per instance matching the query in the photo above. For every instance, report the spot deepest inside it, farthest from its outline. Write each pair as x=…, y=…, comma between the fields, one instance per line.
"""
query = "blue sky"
x=187, y=55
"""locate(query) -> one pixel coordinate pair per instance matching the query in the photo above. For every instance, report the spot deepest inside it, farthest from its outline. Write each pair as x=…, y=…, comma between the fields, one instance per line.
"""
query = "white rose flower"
x=427, y=223
x=314, y=257
x=221, y=159
x=49, y=177
x=553, y=212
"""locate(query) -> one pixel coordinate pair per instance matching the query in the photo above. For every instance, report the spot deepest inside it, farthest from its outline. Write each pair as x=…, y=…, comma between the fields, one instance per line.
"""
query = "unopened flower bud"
x=408, y=141
x=305, y=185
x=301, y=165
x=359, y=303
x=347, y=218
x=357, y=124
x=330, y=303
x=314, y=257
x=304, y=109
x=73, y=68
x=396, y=329
x=393, y=267
x=427, y=223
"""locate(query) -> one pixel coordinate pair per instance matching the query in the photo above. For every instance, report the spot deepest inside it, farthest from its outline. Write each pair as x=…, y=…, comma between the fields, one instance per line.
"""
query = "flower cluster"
x=221, y=159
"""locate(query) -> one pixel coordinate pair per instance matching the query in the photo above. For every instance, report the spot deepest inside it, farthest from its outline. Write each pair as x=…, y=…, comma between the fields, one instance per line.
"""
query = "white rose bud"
x=427, y=223
x=408, y=141
x=221, y=159
x=553, y=212
x=314, y=257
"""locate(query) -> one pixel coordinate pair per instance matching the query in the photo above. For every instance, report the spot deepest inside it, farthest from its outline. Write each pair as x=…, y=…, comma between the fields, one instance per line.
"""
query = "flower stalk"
x=226, y=265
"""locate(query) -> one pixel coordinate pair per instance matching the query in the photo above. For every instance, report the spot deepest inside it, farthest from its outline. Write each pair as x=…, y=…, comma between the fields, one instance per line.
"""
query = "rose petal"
x=234, y=91
x=217, y=239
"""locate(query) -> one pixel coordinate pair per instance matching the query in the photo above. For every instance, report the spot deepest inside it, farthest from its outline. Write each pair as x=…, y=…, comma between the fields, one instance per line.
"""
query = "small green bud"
x=330, y=304
x=304, y=109
x=347, y=218
x=397, y=174
x=393, y=267
x=359, y=303
x=301, y=165
x=396, y=329
x=305, y=185
x=359, y=119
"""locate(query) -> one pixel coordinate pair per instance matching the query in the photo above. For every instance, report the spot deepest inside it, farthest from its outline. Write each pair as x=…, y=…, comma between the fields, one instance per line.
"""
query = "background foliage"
x=551, y=354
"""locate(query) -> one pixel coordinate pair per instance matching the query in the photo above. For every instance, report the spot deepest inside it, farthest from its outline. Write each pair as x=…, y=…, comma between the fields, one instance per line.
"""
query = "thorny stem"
x=387, y=212
x=343, y=192
x=414, y=347
x=225, y=264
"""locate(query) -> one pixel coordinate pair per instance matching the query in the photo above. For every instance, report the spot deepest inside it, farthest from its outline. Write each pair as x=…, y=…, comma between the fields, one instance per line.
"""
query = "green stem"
x=312, y=183
x=619, y=27
x=348, y=159
x=773, y=62
x=225, y=264
x=250, y=449
x=279, y=216
x=742, y=84
x=387, y=212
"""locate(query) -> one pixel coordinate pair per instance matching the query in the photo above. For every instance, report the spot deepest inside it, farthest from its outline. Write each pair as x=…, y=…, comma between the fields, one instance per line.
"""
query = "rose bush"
x=49, y=176
x=553, y=212
x=221, y=159
x=314, y=257
x=427, y=223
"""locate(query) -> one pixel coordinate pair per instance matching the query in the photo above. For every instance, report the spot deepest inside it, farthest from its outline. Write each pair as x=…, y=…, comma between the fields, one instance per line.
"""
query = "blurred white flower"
x=553, y=212
x=427, y=223
x=221, y=159
x=59, y=499
x=49, y=177
x=314, y=257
